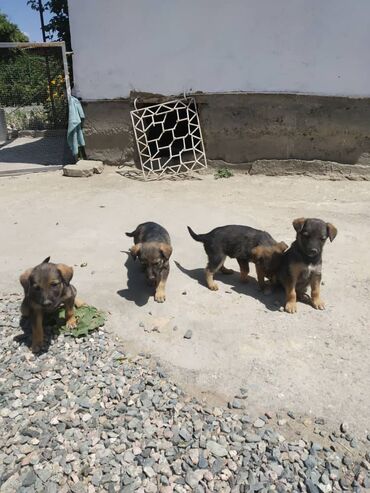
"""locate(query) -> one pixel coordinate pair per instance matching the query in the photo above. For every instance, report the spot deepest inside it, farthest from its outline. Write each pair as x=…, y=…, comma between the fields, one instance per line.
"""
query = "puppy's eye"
x=36, y=287
x=55, y=283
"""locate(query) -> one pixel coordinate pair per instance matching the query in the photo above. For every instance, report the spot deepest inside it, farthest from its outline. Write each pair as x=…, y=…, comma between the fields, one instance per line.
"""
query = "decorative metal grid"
x=169, y=138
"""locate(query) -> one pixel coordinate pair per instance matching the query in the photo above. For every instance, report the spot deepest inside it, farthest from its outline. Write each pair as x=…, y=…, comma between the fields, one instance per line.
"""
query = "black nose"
x=314, y=251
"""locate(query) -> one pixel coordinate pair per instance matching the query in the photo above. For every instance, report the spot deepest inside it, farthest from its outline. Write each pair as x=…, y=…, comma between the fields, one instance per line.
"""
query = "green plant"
x=223, y=173
x=88, y=318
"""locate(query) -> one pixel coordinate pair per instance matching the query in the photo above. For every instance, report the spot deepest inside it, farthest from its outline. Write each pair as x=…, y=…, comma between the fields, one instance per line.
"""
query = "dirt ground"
x=316, y=363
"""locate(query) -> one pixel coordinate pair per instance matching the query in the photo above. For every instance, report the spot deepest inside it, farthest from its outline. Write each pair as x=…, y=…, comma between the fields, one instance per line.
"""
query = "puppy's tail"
x=131, y=234
x=195, y=236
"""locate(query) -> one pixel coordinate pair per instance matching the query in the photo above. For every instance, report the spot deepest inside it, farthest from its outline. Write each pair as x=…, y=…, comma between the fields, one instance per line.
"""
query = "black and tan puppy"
x=47, y=287
x=153, y=248
x=235, y=242
x=301, y=264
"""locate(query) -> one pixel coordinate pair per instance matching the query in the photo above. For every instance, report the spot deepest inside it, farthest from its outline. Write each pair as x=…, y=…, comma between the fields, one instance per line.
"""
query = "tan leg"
x=209, y=280
x=315, y=293
x=71, y=321
x=244, y=270
x=160, y=292
x=37, y=331
x=291, y=298
x=260, y=277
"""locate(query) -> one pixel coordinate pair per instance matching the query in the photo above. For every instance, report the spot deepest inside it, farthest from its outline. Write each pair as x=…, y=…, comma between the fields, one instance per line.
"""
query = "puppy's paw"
x=213, y=287
x=244, y=278
x=291, y=307
x=318, y=304
x=160, y=297
x=37, y=346
x=71, y=323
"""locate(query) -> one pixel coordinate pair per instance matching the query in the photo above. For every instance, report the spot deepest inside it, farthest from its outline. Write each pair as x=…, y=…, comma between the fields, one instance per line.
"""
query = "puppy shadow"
x=51, y=332
x=137, y=289
x=272, y=301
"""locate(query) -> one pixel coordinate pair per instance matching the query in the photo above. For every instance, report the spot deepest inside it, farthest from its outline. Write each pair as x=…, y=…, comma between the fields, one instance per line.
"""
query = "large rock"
x=83, y=168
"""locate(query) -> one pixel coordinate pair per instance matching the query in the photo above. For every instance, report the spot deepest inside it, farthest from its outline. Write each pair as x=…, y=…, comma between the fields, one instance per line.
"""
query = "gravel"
x=87, y=417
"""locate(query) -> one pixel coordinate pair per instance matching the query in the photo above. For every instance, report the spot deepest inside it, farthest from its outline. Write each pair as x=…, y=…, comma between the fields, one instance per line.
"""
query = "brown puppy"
x=153, y=248
x=234, y=241
x=47, y=287
x=267, y=260
x=301, y=264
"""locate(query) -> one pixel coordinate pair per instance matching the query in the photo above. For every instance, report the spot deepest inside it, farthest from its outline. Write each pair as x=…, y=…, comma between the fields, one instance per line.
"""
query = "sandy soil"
x=316, y=363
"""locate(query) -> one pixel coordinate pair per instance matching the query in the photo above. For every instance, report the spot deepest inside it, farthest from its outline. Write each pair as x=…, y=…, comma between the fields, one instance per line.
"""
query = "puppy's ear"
x=66, y=272
x=256, y=254
x=25, y=279
x=46, y=260
x=135, y=250
x=166, y=250
x=299, y=223
x=332, y=231
x=282, y=246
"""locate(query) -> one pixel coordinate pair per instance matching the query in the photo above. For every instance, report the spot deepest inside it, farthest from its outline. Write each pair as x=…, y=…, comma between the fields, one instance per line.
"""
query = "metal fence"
x=34, y=91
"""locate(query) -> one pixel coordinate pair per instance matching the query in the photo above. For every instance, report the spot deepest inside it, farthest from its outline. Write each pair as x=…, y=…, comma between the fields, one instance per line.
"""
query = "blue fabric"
x=76, y=115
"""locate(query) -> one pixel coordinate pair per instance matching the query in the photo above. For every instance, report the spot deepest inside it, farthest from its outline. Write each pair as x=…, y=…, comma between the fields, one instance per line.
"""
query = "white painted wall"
x=168, y=46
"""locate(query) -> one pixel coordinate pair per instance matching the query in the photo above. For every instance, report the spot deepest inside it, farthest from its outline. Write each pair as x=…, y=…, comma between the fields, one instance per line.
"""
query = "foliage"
x=88, y=317
x=223, y=173
x=57, y=29
x=9, y=32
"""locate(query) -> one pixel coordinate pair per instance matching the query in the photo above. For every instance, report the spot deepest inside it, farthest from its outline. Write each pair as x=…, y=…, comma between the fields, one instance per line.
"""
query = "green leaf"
x=88, y=318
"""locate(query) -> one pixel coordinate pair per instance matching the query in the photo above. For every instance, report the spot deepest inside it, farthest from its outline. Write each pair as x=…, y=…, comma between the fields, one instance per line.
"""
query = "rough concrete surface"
x=83, y=168
x=313, y=362
x=34, y=153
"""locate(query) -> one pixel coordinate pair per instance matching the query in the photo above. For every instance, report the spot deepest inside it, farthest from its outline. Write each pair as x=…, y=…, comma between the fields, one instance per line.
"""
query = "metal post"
x=41, y=11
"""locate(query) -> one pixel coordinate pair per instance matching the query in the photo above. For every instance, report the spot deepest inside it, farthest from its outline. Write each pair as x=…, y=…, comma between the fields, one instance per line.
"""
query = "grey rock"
x=188, y=334
x=216, y=449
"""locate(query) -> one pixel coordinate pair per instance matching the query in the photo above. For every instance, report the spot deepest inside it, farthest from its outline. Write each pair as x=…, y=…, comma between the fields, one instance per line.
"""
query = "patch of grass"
x=88, y=318
x=223, y=173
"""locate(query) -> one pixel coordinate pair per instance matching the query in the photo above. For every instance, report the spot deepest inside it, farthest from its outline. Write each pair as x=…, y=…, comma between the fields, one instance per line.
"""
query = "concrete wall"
x=167, y=46
x=246, y=127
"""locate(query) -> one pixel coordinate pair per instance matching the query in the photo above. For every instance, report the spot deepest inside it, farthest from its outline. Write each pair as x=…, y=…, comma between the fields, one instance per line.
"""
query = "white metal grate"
x=169, y=138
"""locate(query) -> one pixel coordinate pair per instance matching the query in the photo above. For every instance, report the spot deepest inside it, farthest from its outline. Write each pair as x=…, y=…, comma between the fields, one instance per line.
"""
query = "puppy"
x=235, y=242
x=267, y=260
x=301, y=264
x=153, y=248
x=47, y=287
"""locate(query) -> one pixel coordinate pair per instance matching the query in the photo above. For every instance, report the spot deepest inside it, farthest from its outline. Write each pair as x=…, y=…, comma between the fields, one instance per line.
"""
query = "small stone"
x=216, y=449
x=192, y=478
x=29, y=479
x=188, y=334
x=259, y=423
x=344, y=427
x=311, y=487
x=281, y=422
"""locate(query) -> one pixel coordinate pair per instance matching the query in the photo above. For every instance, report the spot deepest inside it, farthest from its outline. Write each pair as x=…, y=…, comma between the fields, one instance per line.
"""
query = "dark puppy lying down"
x=47, y=287
x=237, y=242
x=153, y=248
x=301, y=265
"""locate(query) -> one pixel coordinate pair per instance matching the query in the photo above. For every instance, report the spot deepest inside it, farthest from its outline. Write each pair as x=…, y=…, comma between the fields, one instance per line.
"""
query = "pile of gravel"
x=84, y=417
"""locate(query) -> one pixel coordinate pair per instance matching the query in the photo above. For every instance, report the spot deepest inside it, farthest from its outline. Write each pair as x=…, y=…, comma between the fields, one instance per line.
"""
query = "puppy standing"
x=153, y=248
x=47, y=287
x=301, y=265
x=235, y=242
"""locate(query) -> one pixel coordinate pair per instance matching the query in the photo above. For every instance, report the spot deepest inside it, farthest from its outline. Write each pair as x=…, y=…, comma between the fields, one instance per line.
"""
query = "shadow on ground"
x=137, y=289
x=271, y=301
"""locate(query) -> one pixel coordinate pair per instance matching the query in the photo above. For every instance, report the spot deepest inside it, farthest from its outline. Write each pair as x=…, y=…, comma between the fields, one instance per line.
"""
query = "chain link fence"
x=34, y=89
